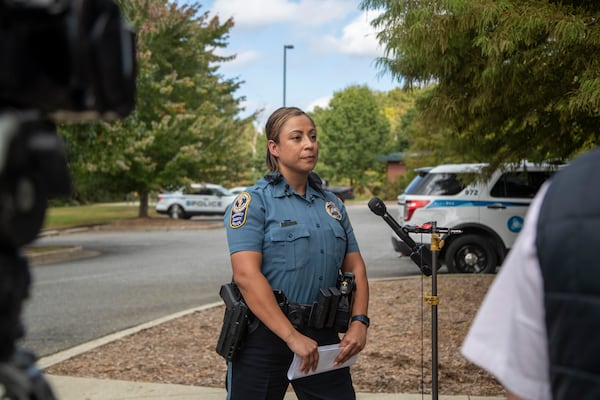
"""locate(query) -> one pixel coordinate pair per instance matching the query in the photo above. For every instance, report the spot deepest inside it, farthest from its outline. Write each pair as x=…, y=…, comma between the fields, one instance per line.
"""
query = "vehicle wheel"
x=176, y=212
x=471, y=254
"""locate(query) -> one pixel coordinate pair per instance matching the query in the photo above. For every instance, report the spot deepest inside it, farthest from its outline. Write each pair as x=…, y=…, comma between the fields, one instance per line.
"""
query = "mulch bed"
x=397, y=358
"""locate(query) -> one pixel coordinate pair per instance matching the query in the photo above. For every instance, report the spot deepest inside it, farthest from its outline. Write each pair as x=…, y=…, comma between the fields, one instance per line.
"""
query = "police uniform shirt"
x=303, y=239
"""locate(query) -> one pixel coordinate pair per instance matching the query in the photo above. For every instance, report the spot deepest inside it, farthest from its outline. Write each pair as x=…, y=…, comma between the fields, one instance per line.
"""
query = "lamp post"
x=285, y=48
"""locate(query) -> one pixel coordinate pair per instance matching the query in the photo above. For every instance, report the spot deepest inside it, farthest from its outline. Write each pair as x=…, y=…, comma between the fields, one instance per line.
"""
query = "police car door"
x=508, y=201
x=208, y=201
x=193, y=200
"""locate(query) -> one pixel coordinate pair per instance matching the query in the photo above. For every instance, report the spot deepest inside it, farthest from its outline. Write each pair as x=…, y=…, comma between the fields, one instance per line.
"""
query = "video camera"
x=61, y=60
x=71, y=59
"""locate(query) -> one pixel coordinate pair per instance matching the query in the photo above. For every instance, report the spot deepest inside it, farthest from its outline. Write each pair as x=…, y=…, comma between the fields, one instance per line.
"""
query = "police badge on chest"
x=333, y=210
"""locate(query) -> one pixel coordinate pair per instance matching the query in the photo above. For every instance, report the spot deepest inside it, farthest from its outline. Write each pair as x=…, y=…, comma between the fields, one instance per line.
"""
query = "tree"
x=399, y=108
x=352, y=132
x=510, y=79
x=184, y=126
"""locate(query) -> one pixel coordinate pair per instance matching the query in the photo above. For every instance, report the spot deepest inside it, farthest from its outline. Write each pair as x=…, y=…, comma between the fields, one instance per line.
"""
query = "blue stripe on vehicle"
x=471, y=203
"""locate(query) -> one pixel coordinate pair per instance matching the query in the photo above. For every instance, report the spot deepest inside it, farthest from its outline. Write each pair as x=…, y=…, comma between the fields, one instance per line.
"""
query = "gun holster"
x=236, y=320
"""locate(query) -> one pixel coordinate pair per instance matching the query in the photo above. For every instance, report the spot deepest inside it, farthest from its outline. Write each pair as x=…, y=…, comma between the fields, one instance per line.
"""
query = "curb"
x=64, y=355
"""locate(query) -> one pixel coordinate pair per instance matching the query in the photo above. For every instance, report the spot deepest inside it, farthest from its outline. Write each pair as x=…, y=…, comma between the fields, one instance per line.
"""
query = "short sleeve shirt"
x=508, y=336
x=303, y=239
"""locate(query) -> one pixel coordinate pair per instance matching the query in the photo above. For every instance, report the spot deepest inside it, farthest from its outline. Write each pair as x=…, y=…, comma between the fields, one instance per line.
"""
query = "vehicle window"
x=197, y=191
x=441, y=184
x=413, y=185
x=520, y=184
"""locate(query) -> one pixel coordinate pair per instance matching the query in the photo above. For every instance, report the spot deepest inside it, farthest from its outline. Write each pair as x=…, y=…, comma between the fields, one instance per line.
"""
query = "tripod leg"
x=19, y=377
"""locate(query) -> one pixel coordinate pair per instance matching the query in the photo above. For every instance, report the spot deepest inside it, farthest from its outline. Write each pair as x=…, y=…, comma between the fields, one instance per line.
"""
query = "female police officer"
x=286, y=233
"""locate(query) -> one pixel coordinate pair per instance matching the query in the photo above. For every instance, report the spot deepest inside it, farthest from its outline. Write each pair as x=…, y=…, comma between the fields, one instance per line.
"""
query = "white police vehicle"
x=398, y=244
x=238, y=189
x=197, y=199
x=489, y=212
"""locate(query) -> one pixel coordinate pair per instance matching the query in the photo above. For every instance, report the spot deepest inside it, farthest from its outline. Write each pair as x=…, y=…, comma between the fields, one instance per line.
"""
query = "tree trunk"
x=143, y=211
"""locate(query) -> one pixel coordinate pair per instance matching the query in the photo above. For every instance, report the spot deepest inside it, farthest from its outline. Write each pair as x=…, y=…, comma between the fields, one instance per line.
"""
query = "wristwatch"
x=362, y=318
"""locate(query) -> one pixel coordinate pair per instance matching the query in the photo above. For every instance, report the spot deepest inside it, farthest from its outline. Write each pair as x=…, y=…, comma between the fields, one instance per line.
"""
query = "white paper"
x=327, y=355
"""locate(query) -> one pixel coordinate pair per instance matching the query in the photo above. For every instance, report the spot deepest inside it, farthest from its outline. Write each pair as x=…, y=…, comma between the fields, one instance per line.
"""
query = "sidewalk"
x=68, y=388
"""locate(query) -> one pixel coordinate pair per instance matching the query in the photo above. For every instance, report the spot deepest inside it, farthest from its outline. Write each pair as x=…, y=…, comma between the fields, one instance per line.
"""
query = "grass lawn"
x=61, y=217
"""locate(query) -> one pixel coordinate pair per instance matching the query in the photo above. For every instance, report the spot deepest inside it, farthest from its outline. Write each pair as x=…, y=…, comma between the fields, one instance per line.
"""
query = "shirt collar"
x=282, y=188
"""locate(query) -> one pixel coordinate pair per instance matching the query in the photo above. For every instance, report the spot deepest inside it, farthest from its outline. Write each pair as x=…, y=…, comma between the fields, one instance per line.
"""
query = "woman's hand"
x=306, y=348
x=352, y=343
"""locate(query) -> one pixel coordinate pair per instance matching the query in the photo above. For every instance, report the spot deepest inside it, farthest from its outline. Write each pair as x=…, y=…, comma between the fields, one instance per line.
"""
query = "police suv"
x=488, y=212
x=197, y=199
x=398, y=244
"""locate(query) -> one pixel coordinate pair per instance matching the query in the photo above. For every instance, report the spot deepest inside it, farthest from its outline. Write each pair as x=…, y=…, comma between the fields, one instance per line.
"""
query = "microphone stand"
x=433, y=300
x=427, y=261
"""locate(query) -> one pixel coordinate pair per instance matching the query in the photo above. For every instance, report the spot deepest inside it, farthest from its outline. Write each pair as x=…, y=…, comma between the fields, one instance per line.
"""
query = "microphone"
x=421, y=254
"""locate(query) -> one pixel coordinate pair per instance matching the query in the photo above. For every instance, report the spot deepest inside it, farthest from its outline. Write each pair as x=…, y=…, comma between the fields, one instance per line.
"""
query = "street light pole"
x=285, y=48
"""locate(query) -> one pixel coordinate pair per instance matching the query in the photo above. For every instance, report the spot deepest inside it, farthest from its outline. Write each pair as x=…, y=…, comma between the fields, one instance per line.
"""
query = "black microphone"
x=421, y=255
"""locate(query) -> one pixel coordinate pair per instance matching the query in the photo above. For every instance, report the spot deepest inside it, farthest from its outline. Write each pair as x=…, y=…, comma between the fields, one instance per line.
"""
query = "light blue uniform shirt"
x=302, y=242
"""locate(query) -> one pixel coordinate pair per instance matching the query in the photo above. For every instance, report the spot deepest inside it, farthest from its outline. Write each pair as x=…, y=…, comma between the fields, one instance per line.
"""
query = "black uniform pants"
x=259, y=372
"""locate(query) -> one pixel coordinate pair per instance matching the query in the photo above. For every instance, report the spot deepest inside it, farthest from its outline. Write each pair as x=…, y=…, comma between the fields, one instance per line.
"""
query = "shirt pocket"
x=341, y=245
x=292, y=247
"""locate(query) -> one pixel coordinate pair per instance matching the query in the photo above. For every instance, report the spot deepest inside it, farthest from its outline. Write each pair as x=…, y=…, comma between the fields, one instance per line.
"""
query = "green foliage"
x=185, y=126
x=390, y=190
x=353, y=131
x=397, y=106
x=508, y=79
x=259, y=166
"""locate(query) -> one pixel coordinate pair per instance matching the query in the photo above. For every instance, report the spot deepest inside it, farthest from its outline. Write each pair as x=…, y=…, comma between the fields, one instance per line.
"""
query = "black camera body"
x=62, y=60
x=69, y=59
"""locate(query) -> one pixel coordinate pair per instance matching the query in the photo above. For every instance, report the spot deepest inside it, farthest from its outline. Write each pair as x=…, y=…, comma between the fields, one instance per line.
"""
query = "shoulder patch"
x=239, y=210
x=333, y=210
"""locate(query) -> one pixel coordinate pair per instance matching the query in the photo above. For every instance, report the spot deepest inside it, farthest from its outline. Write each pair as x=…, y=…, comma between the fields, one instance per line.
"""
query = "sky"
x=334, y=47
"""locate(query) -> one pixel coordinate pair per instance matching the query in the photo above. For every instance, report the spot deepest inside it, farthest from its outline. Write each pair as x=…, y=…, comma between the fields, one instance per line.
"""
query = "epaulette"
x=273, y=177
x=315, y=181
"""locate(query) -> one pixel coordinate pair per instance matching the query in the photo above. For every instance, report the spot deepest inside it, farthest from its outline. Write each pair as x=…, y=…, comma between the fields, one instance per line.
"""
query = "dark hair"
x=273, y=129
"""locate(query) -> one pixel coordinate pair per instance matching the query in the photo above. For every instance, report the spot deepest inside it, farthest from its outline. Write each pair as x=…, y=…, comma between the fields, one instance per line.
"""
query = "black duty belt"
x=321, y=314
x=299, y=314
